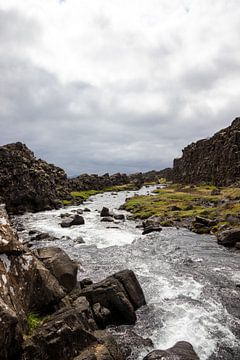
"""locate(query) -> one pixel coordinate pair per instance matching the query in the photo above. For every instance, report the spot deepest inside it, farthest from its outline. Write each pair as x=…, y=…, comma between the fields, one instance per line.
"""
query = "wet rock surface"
x=60, y=265
x=182, y=350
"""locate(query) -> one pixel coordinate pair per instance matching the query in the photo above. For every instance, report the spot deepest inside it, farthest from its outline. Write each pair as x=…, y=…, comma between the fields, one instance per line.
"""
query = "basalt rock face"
x=28, y=184
x=97, y=182
x=215, y=160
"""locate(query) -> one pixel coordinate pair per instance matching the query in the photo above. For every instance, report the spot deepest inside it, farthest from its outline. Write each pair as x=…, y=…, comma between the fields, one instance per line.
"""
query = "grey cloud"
x=85, y=128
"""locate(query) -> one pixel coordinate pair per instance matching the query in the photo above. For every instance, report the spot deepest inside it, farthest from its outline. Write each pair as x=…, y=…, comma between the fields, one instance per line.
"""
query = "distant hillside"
x=215, y=160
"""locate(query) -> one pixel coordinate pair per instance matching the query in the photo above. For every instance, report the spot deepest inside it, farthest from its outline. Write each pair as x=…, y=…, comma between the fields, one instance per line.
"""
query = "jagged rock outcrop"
x=215, y=160
x=28, y=184
x=40, y=282
x=97, y=182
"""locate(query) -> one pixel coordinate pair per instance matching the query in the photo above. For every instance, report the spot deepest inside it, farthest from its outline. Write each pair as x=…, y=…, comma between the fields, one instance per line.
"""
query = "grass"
x=34, y=320
x=117, y=188
x=84, y=195
x=177, y=202
x=79, y=196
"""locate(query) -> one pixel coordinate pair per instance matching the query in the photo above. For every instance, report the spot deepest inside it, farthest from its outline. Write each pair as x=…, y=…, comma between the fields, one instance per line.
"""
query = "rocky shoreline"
x=45, y=313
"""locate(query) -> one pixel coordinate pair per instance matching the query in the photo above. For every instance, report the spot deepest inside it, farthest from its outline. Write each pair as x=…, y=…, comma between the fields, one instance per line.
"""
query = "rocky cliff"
x=29, y=184
x=215, y=160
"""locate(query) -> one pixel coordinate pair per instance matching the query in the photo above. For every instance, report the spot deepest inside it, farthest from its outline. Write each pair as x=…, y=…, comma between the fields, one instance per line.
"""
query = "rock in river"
x=182, y=350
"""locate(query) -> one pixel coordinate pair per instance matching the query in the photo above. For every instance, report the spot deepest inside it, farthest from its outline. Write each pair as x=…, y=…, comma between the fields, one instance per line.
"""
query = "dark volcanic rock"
x=151, y=229
x=105, y=212
x=60, y=265
x=119, y=294
x=229, y=237
x=215, y=160
x=107, y=219
x=182, y=350
x=63, y=336
x=72, y=220
x=28, y=184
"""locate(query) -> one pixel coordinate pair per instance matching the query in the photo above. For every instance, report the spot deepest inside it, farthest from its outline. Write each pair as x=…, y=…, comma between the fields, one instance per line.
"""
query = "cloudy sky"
x=117, y=85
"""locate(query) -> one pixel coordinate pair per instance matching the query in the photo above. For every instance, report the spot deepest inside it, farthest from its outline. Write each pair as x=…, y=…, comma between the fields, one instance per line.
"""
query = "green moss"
x=117, y=188
x=33, y=320
x=192, y=201
x=84, y=195
x=66, y=202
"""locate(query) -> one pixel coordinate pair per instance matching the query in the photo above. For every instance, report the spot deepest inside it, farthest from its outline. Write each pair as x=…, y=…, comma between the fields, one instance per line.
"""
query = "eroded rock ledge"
x=215, y=160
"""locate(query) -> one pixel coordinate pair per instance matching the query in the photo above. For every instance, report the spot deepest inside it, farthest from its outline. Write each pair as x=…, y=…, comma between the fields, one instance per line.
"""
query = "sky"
x=117, y=85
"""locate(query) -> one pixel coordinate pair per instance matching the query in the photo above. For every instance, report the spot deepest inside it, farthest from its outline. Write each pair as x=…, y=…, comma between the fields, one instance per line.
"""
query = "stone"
x=79, y=240
x=107, y=219
x=119, y=216
x=205, y=221
x=105, y=212
x=182, y=350
x=121, y=294
x=150, y=229
x=78, y=220
x=73, y=220
x=60, y=265
x=229, y=238
x=85, y=282
x=131, y=285
x=43, y=237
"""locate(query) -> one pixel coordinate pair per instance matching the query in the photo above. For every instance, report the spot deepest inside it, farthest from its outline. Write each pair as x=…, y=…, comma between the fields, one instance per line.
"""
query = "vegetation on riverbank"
x=34, y=320
x=77, y=197
x=181, y=204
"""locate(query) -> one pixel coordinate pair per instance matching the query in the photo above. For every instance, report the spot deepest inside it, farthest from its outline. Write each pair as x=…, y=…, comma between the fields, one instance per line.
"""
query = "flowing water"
x=190, y=283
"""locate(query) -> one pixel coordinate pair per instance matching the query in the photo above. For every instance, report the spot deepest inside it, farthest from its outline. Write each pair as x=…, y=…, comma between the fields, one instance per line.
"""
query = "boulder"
x=43, y=237
x=78, y=220
x=205, y=221
x=182, y=350
x=119, y=294
x=119, y=216
x=149, y=229
x=105, y=212
x=79, y=240
x=60, y=265
x=73, y=220
x=229, y=238
x=131, y=285
x=107, y=219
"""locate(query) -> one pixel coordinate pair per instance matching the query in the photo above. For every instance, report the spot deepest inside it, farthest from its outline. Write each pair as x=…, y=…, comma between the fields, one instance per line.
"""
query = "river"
x=190, y=282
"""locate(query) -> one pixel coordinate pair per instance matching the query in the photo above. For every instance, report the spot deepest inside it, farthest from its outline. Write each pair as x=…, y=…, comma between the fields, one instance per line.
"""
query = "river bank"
x=204, y=209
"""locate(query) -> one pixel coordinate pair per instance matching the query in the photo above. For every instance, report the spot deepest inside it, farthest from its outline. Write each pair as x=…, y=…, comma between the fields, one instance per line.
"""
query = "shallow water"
x=188, y=280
